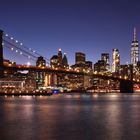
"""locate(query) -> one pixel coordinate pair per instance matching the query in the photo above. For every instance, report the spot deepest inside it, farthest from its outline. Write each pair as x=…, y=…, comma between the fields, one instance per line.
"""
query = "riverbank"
x=65, y=93
x=25, y=94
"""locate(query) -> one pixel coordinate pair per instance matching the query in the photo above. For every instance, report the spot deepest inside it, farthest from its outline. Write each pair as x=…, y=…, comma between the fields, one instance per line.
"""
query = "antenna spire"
x=135, y=34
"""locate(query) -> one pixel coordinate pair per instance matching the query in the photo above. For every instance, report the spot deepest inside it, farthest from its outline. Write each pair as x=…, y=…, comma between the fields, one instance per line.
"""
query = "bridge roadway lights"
x=126, y=86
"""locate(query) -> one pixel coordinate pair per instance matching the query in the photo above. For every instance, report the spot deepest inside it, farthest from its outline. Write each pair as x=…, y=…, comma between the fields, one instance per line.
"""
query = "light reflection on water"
x=70, y=117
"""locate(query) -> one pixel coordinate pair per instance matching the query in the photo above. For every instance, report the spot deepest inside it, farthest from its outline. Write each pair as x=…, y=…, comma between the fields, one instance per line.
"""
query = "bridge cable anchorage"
x=26, y=48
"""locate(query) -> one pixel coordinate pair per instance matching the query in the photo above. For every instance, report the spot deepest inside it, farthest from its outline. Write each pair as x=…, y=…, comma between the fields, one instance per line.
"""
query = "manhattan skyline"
x=91, y=27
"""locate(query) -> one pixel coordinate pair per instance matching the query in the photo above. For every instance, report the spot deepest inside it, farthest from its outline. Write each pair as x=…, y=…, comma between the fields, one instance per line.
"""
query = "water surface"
x=70, y=117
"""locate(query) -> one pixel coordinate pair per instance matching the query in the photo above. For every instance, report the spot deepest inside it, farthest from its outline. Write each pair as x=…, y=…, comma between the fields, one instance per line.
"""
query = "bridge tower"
x=1, y=55
x=126, y=86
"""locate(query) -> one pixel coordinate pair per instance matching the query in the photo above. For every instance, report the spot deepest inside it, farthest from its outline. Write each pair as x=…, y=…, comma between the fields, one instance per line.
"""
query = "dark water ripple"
x=70, y=117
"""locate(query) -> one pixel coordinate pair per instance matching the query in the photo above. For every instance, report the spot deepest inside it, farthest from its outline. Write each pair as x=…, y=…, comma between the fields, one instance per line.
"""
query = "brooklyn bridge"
x=27, y=76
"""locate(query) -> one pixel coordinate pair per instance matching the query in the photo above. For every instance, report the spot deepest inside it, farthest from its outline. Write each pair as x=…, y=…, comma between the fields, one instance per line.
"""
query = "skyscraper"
x=100, y=66
x=41, y=62
x=65, y=61
x=79, y=58
x=40, y=76
x=88, y=64
x=134, y=50
x=54, y=61
x=105, y=58
x=115, y=60
x=60, y=57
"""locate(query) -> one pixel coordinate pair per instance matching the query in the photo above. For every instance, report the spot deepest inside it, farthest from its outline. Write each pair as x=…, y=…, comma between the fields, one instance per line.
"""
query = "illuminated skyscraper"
x=60, y=57
x=115, y=60
x=54, y=61
x=40, y=75
x=100, y=66
x=134, y=50
x=105, y=58
x=65, y=61
x=41, y=62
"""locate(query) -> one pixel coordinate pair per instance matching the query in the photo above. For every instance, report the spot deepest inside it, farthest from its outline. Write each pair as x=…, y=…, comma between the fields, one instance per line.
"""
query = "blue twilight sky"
x=89, y=26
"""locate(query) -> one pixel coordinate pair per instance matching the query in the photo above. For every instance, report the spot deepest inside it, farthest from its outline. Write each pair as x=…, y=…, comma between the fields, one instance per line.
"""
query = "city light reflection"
x=95, y=95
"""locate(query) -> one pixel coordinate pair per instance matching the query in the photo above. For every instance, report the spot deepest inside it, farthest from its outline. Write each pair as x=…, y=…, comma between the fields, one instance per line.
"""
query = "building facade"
x=59, y=57
x=41, y=62
x=80, y=58
x=54, y=61
x=59, y=61
x=100, y=66
x=88, y=65
x=115, y=60
x=65, y=62
x=40, y=76
x=105, y=58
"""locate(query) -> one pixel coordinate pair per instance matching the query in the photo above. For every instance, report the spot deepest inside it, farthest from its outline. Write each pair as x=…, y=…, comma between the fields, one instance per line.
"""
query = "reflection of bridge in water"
x=126, y=82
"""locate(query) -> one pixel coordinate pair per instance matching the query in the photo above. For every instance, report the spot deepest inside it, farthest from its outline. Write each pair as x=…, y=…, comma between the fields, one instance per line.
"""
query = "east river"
x=70, y=117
